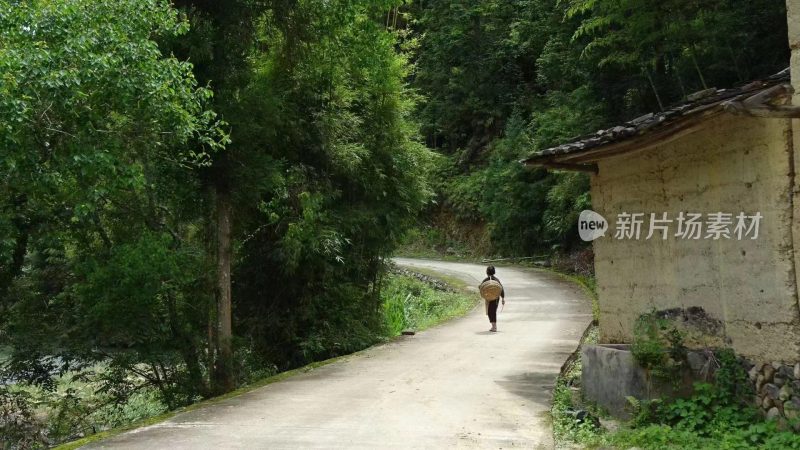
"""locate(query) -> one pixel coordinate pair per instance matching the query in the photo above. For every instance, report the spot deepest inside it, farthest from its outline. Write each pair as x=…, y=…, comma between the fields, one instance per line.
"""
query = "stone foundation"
x=610, y=374
x=777, y=388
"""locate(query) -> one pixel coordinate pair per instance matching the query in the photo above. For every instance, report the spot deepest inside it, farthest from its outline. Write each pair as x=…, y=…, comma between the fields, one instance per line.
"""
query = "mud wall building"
x=730, y=151
x=740, y=293
x=723, y=153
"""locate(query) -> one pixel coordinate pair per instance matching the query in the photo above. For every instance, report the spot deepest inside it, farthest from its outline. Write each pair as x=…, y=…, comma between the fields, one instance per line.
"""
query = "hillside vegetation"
x=501, y=79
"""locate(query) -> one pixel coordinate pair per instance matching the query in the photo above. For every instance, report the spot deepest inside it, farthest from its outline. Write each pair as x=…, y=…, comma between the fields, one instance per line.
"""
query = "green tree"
x=344, y=177
x=322, y=170
x=678, y=46
x=103, y=136
x=221, y=43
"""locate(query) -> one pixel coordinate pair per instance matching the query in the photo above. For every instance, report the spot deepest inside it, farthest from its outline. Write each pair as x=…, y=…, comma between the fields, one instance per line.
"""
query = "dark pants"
x=493, y=310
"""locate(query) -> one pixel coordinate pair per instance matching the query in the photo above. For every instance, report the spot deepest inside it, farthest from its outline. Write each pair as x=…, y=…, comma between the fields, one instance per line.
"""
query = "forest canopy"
x=502, y=79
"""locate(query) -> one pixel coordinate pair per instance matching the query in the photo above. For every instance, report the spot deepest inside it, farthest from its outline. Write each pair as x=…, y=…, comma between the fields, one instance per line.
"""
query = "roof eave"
x=766, y=102
x=588, y=158
x=550, y=164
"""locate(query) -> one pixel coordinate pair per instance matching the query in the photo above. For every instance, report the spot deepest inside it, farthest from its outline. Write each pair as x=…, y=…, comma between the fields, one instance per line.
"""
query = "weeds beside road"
x=717, y=416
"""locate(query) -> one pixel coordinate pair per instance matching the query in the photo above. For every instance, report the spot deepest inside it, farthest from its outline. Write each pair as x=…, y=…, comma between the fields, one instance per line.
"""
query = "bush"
x=19, y=427
x=717, y=416
x=658, y=346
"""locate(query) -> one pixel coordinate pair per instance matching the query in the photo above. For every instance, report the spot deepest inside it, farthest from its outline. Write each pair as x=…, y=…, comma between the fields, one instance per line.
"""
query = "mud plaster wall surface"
x=733, y=164
x=793, y=19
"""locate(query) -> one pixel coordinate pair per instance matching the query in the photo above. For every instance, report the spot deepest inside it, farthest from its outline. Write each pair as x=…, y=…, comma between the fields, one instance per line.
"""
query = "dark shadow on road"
x=534, y=386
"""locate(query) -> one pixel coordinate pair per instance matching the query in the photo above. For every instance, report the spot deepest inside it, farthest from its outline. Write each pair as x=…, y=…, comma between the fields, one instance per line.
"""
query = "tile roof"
x=696, y=104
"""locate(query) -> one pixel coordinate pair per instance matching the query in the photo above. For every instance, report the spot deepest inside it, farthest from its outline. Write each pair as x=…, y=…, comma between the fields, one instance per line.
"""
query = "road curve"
x=452, y=386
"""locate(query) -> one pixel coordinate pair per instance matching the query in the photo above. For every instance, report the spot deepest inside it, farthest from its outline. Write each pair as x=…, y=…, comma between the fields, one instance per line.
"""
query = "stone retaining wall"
x=433, y=282
x=610, y=374
x=776, y=385
x=777, y=388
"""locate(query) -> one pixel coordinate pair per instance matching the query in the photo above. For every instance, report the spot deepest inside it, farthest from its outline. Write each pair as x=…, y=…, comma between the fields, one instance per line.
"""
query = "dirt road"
x=455, y=385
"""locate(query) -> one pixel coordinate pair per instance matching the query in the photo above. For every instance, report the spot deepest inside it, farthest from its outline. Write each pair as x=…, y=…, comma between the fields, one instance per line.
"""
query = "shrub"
x=19, y=427
x=717, y=416
x=658, y=346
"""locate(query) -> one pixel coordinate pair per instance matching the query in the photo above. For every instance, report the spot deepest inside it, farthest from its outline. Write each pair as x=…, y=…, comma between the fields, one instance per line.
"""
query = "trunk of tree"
x=14, y=268
x=681, y=85
x=655, y=91
x=224, y=362
x=697, y=68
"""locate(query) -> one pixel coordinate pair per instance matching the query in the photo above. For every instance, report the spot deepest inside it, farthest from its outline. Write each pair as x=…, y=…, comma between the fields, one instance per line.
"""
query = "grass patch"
x=453, y=282
x=411, y=304
x=567, y=431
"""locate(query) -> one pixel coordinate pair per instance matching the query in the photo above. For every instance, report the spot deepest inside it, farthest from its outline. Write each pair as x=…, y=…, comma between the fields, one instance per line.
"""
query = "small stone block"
x=785, y=393
x=753, y=373
x=760, y=382
x=772, y=391
x=790, y=410
x=697, y=361
x=768, y=372
x=773, y=414
x=786, y=372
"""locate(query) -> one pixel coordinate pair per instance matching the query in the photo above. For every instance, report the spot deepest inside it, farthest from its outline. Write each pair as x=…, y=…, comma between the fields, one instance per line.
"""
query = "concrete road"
x=453, y=386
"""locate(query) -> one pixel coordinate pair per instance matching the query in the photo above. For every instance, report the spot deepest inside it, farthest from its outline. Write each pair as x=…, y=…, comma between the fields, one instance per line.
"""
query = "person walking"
x=490, y=290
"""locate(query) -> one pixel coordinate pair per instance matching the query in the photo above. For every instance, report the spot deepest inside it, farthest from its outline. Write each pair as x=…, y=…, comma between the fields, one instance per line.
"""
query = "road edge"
x=456, y=284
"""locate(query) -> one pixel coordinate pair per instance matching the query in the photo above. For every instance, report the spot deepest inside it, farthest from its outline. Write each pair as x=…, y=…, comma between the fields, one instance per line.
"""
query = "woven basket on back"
x=490, y=289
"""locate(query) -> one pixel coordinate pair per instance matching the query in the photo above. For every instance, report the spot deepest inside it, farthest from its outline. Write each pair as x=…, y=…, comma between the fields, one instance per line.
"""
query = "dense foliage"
x=102, y=135
x=341, y=177
x=502, y=79
x=121, y=176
